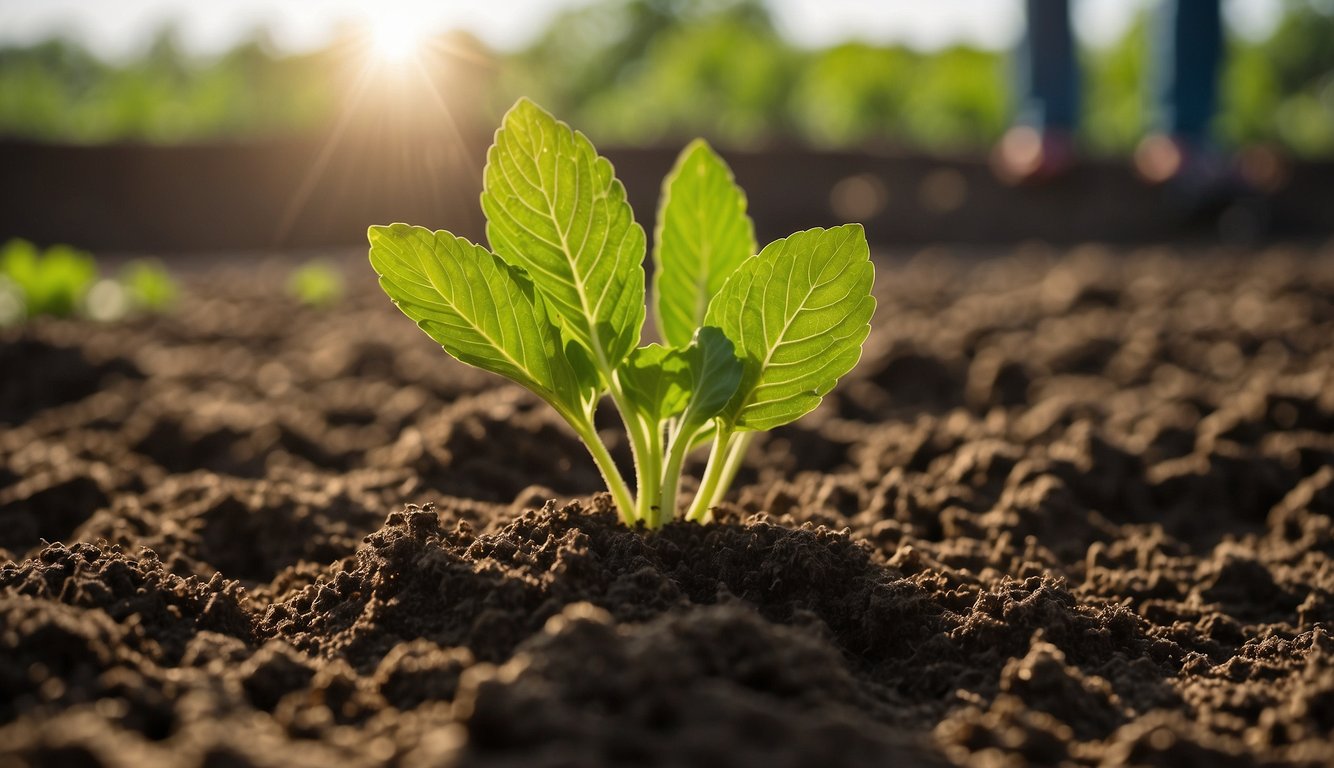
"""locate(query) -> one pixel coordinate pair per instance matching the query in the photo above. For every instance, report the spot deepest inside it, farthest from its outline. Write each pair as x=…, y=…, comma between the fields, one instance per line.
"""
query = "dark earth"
x=1072, y=508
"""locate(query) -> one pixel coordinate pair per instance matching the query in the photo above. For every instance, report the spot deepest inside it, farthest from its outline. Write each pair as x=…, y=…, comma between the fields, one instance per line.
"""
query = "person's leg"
x=1180, y=148
x=1046, y=83
x=1188, y=50
x=1045, y=69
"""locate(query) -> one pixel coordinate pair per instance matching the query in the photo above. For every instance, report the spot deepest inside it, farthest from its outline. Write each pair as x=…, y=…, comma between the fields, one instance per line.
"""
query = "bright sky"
x=116, y=28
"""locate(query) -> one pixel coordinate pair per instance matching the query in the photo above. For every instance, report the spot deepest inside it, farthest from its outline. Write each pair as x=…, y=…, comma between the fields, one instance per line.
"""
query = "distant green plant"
x=1115, y=106
x=316, y=284
x=54, y=282
x=63, y=281
x=148, y=286
x=557, y=304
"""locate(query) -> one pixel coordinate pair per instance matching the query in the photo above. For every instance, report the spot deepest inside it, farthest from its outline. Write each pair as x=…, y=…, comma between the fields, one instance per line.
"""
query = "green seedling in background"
x=557, y=304
x=316, y=284
x=148, y=286
x=62, y=281
x=54, y=282
x=143, y=286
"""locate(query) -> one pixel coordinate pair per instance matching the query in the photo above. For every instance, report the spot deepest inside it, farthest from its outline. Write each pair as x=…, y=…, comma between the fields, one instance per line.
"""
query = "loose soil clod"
x=1070, y=509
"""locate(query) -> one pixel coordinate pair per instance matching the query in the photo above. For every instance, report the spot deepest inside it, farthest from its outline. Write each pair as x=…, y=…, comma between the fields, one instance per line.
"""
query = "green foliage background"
x=641, y=71
x=58, y=90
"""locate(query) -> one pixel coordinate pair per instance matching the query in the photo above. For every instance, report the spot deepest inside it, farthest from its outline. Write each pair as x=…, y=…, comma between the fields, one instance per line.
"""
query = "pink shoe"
x=1027, y=155
x=1199, y=176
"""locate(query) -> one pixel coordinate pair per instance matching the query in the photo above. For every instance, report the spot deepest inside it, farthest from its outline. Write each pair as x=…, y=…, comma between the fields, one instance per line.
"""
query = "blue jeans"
x=1187, y=49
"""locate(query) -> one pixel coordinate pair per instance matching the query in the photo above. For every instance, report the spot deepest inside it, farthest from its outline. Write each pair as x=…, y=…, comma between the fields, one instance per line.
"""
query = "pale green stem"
x=736, y=456
x=671, y=476
x=625, y=503
x=649, y=474
x=648, y=460
x=708, y=484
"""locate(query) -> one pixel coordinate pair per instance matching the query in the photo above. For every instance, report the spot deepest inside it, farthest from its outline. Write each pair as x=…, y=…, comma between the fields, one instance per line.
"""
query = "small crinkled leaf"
x=697, y=380
x=656, y=379
x=480, y=309
x=555, y=210
x=715, y=374
x=798, y=314
x=702, y=235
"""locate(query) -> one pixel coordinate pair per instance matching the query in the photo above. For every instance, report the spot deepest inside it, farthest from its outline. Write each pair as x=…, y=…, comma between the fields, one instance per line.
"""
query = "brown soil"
x=1071, y=509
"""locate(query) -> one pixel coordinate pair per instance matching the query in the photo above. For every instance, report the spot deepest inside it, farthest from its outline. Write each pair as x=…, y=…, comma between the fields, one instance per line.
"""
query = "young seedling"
x=64, y=281
x=316, y=284
x=148, y=285
x=54, y=282
x=750, y=341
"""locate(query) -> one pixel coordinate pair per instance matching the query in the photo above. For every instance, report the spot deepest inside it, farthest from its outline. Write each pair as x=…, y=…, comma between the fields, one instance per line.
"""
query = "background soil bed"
x=1071, y=507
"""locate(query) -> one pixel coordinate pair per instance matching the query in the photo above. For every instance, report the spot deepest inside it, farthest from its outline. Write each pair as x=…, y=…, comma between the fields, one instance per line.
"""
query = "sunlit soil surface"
x=1072, y=507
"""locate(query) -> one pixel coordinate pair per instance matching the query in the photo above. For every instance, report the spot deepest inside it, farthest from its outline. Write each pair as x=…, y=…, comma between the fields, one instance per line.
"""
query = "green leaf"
x=481, y=310
x=700, y=379
x=798, y=313
x=703, y=234
x=555, y=209
x=715, y=374
x=656, y=380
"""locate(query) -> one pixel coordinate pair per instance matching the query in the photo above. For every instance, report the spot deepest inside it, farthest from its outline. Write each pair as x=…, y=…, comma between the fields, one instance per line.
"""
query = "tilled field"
x=1071, y=508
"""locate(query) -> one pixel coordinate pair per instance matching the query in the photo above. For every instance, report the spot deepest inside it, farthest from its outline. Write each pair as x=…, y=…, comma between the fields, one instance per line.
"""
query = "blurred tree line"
x=57, y=90
x=641, y=71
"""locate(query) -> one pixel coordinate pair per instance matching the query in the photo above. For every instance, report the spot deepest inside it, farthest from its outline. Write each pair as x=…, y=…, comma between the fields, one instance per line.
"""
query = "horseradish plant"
x=556, y=304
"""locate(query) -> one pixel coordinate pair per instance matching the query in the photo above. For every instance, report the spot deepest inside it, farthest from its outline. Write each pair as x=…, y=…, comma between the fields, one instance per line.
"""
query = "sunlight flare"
x=397, y=37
